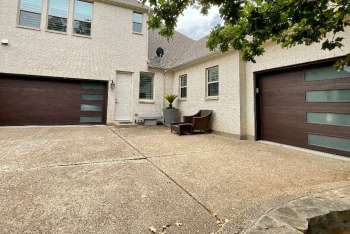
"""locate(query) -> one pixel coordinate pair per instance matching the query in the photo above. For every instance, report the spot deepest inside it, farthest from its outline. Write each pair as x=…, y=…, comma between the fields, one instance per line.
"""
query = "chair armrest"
x=188, y=119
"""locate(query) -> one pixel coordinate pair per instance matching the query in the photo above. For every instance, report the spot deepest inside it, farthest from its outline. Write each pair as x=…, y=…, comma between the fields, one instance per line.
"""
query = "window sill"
x=214, y=98
x=56, y=32
x=183, y=99
x=30, y=28
x=146, y=101
x=138, y=33
x=83, y=36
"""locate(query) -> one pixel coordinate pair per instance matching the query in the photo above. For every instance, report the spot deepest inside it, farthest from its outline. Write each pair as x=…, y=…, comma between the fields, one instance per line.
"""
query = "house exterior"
x=93, y=62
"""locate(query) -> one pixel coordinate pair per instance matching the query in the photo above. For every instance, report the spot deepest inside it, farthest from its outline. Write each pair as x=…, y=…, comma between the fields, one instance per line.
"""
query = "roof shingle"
x=178, y=50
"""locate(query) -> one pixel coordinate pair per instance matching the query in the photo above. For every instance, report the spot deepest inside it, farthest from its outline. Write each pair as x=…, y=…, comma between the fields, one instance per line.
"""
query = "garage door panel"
x=290, y=109
x=40, y=101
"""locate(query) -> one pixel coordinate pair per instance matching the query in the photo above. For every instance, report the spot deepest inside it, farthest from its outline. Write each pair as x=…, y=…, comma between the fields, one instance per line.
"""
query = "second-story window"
x=57, y=15
x=30, y=13
x=82, y=17
x=137, y=19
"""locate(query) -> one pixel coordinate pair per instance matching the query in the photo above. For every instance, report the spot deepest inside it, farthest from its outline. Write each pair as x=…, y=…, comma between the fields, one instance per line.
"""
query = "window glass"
x=58, y=14
x=82, y=17
x=91, y=97
x=213, y=74
x=92, y=85
x=213, y=81
x=329, y=119
x=326, y=73
x=328, y=96
x=86, y=107
x=146, y=86
x=97, y=119
x=137, y=20
x=30, y=13
x=341, y=144
x=213, y=89
x=183, y=86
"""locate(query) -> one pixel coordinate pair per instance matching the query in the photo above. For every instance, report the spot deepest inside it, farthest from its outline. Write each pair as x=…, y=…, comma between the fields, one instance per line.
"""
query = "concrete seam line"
x=168, y=176
x=75, y=164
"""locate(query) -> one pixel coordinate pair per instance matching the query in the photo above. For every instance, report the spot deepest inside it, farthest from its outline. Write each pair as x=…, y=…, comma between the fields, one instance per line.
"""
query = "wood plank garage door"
x=48, y=101
x=306, y=107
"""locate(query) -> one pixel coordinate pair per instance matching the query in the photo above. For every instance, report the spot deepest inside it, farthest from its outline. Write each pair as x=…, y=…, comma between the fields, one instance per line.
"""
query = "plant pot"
x=170, y=116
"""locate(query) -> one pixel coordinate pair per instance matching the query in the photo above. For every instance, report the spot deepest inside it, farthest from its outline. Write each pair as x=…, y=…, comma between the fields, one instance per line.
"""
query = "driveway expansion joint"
x=219, y=221
x=75, y=164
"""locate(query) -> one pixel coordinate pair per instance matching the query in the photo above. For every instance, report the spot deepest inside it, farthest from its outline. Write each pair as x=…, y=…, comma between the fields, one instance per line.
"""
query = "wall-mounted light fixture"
x=112, y=85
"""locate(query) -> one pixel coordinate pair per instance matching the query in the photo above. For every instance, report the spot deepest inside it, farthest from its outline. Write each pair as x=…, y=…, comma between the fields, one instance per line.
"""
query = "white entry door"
x=123, y=97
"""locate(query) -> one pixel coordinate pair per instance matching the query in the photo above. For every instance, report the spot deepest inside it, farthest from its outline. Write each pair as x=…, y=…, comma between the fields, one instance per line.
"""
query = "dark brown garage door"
x=307, y=107
x=48, y=101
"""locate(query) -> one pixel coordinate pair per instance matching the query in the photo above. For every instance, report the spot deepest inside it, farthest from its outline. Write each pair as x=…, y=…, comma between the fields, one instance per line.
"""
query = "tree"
x=248, y=24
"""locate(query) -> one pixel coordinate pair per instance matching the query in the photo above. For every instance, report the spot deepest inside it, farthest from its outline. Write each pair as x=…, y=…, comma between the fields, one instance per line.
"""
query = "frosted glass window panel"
x=328, y=96
x=97, y=119
x=341, y=144
x=329, y=119
x=87, y=107
x=91, y=97
x=92, y=85
x=326, y=73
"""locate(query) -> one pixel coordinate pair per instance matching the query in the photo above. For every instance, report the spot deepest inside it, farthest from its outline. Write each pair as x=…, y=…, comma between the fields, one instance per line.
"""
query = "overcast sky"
x=195, y=25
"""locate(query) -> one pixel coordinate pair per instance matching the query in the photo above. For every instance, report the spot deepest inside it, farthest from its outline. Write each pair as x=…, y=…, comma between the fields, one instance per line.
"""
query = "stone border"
x=294, y=217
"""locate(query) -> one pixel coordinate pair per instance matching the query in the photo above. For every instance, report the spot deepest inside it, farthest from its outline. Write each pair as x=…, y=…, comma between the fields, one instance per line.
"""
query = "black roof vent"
x=160, y=52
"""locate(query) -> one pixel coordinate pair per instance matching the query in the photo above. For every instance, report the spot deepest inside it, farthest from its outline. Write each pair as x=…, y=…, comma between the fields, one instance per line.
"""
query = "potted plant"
x=170, y=114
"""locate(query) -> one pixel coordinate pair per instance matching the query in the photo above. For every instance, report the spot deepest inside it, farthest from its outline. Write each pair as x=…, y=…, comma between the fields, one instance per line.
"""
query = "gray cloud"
x=195, y=25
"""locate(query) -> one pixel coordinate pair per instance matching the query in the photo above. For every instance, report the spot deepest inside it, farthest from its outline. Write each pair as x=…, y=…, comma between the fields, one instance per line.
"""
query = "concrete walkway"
x=113, y=180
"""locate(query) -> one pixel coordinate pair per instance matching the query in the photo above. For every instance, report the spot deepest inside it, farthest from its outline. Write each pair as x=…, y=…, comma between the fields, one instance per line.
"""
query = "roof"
x=132, y=4
x=178, y=50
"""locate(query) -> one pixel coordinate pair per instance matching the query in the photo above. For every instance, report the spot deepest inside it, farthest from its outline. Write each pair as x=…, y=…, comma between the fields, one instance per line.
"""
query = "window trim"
x=47, y=19
x=92, y=19
x=19, y=15
x=144, y=100
x=181, y=87
x=132, y=22
x=212, y=82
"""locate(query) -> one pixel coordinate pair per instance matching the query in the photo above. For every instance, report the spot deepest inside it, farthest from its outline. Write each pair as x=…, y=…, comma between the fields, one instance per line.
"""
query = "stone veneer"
x=306, y=213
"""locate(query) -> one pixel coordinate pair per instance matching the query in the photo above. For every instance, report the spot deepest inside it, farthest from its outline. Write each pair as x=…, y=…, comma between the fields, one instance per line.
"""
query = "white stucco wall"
x=276, y=57
x=226, y=108
x=112, y=47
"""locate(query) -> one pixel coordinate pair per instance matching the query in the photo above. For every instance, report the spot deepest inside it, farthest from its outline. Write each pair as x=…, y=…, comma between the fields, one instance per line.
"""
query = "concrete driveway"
x=124, y=180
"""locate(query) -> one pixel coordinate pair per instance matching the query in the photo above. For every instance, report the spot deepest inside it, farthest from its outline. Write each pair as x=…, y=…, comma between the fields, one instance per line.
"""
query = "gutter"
x=198, y=60
x=120, y=3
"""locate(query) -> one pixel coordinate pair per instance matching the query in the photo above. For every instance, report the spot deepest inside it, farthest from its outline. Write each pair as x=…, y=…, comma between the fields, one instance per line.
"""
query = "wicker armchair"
x=201, y=121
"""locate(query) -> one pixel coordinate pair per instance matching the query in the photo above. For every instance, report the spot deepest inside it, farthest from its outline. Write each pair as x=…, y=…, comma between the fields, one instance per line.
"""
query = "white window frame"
x=19, y=9
x=132, y=25
x=145, y=100
x=212, y=82
x=74, y=19
x=181, y=86
x=48, y=15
